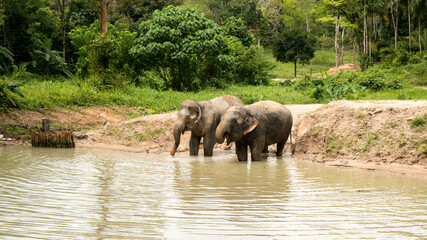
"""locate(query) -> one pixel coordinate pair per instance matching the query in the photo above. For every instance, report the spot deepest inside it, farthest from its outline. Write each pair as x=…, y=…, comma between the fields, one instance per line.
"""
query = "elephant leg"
x=265, y=149
x=242, y=152
x=194, y=145
x=209, y=143
x=256, y=152
x=280, y=147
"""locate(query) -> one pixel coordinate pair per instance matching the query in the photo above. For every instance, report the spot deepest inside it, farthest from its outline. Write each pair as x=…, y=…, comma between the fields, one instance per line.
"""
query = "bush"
x=250, y=64
x=8, y=95
x=348, y=85
x=390, y=57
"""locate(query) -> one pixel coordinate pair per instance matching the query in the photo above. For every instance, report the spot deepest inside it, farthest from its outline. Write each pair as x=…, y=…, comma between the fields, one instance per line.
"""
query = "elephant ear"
x=250, y=123
x=199, y=115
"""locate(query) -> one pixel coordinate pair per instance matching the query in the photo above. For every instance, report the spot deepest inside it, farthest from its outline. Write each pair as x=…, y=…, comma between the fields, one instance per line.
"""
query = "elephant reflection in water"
x=201, y=184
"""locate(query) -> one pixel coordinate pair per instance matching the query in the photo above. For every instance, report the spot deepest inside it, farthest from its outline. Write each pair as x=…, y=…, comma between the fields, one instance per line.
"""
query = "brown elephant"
x=201, y=118
x=257, y=126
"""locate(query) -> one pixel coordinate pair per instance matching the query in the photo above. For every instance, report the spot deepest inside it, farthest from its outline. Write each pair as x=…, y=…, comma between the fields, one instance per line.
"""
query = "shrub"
x=8, y=95
x=419, y=122
x=250, y=64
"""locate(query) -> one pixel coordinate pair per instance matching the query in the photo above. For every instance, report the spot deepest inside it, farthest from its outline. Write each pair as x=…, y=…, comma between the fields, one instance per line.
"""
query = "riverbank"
x=375, y=135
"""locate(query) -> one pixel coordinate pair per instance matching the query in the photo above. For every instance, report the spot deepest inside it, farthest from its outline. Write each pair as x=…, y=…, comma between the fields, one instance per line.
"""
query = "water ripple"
x=80, y=194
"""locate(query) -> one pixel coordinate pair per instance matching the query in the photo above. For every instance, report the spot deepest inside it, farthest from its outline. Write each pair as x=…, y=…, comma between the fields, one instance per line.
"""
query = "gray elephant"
x=257, y=126
x=201, y=118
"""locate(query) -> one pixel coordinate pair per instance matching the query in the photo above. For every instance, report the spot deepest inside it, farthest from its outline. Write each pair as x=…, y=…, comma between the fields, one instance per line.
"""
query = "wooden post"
x=46, y=125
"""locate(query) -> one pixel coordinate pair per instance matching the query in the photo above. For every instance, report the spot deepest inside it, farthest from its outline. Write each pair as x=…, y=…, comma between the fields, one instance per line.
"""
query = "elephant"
x=201, y=118
x=257, y=126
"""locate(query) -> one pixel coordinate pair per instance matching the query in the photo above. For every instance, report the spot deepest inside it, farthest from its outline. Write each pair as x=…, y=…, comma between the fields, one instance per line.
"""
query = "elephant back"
x=223, y=103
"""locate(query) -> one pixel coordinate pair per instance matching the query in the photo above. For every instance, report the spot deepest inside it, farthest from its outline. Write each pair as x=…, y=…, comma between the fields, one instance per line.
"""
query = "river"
x=93, y=194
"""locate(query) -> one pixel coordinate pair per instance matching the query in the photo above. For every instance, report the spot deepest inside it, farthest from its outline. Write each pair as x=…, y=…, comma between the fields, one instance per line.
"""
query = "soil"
x=375, y=135
x=345, y=67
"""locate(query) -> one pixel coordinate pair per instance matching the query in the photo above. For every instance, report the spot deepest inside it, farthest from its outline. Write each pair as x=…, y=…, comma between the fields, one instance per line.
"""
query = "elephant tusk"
x=227, y=138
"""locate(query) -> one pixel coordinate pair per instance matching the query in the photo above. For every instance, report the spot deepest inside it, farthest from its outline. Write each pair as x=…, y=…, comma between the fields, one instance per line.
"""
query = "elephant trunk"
x=177, y=131
x=222, y=132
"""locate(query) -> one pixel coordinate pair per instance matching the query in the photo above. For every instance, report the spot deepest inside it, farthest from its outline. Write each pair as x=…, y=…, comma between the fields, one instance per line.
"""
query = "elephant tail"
x=292, y=145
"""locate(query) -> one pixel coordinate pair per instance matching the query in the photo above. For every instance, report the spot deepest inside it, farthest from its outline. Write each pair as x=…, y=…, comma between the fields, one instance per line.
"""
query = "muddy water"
x=83, y=194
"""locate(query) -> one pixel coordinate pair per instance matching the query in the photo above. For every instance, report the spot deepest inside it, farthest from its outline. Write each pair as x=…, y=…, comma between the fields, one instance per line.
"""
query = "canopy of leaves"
x=135, y=11
x=187, y=49
x=293, y=46
x=98, y=53
x=236, y=27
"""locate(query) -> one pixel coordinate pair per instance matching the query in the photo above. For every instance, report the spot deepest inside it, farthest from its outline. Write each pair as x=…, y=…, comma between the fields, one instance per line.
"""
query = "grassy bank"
x=56, y=94
x=377, y=84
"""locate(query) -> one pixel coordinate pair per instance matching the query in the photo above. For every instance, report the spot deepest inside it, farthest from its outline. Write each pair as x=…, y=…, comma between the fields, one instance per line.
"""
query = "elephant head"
x=235, y=124
x=188, y=116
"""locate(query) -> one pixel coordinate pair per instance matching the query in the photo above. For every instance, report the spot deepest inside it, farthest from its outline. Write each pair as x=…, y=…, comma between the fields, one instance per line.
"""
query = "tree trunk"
x=342, y=46
x=370, y=48
x=419, y=34
x=409, y=25
x=103, y=17
x=365, y=28
x=354, y=49
x=306, y=21
x=337, y=30
x=62, y=6
x=295, y=67
x=395, y=23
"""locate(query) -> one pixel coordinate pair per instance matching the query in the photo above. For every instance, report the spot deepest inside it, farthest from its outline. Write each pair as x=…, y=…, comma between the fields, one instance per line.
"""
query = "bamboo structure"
x=53, y=140
x=46, y=138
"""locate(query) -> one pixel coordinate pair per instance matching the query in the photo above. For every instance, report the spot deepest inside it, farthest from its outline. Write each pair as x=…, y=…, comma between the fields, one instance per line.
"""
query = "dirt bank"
x=371, y=135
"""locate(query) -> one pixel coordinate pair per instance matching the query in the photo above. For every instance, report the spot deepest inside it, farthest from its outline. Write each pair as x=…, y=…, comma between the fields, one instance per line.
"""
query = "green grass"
x=68, y=93
x=321, y=62
x=406, y=93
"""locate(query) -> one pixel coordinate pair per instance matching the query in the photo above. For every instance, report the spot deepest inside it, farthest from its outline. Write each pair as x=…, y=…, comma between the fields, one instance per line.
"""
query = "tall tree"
x=293, y=46
x=419, y=8
x=409, y=23
x=63, y=7
x=394, y=11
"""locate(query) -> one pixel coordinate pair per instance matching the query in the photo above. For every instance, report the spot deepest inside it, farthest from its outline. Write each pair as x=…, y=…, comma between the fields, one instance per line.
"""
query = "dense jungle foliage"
x=52, y=53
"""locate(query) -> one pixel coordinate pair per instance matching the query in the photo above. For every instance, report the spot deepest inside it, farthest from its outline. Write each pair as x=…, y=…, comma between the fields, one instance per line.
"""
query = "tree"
x=29, y=29
x=134, y=12
x=184, y=47
x=99, y=53
x=419, y=8
x=63, y=7
x=293, y=46
x=248, y=11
